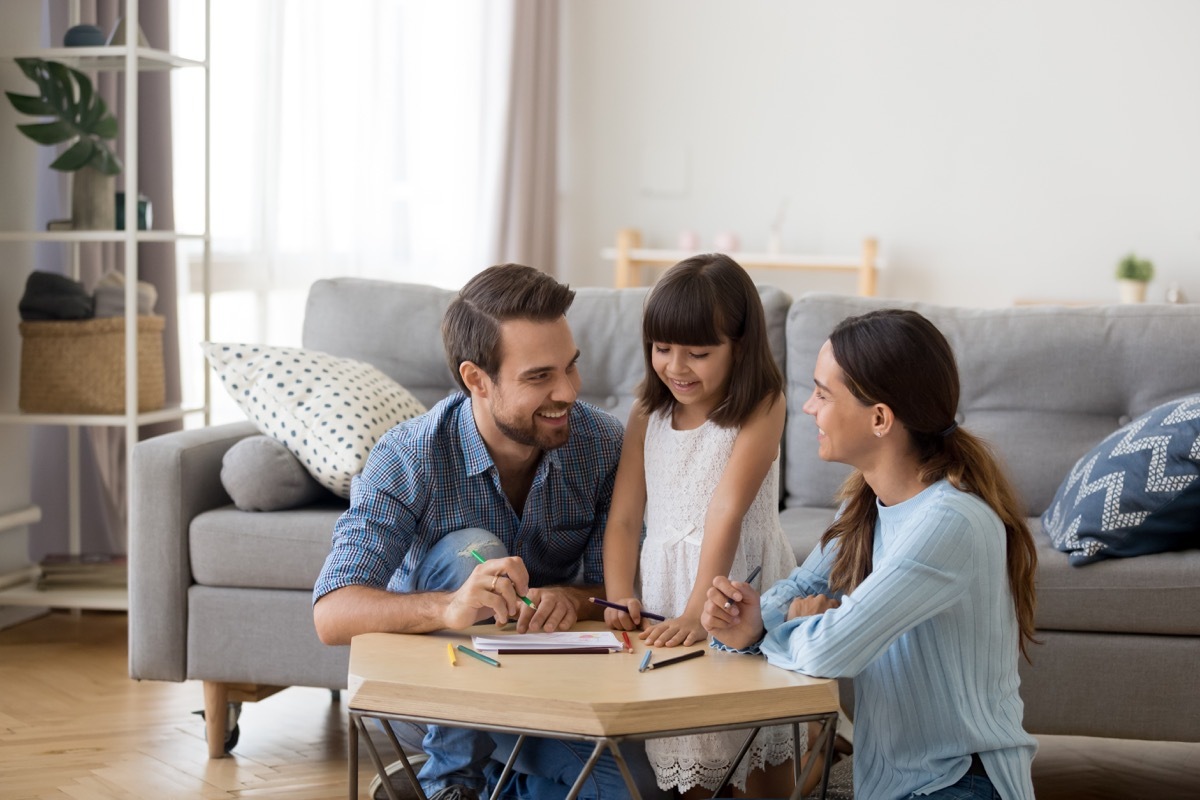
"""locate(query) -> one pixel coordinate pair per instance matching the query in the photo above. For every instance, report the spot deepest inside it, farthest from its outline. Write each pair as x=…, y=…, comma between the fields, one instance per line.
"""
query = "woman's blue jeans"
x=545, y=768
x=970, y=787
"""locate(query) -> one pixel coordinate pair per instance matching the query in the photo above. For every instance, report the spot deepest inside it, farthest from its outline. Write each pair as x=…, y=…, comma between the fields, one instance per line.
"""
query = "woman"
x=921, y=589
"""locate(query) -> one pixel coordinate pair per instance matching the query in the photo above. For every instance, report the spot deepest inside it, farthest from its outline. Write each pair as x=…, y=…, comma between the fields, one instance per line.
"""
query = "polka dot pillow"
x=327, y=411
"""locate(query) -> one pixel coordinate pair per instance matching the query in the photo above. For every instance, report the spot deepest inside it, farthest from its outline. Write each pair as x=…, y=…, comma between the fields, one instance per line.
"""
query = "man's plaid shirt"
x=432, y=475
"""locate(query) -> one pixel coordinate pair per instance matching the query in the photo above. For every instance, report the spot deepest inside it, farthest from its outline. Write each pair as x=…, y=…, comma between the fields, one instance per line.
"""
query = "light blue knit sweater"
x=931, y=640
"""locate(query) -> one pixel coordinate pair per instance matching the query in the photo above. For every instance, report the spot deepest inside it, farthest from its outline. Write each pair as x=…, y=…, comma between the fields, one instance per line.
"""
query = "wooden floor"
x=73, y=725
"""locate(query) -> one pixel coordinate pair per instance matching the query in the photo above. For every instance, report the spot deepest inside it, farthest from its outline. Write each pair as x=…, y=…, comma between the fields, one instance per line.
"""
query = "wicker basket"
x=78, y=367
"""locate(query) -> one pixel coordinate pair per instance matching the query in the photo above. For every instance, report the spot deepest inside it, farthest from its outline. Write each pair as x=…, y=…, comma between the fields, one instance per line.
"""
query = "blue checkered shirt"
x=433, y=475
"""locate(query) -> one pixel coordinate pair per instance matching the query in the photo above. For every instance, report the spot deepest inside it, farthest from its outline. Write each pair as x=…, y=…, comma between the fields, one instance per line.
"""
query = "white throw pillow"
x=328, y=411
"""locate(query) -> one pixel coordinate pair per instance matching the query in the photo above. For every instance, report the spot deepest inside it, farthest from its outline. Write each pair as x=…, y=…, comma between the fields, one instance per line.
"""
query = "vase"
x=1132, y=291
x=93, y=206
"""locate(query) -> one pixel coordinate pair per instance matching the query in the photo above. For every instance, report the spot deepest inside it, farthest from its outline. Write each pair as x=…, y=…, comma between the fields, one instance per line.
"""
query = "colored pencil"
x=628, y=644
x=619, y=607
x=645, y=661
x=450, y=652
x=464, y=649
x=677, y=659
x=754, y=574
x=576, y=650
x=524, y=599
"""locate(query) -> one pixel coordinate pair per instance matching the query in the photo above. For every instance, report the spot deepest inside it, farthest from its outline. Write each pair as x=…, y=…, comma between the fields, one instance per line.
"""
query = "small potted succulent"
x=1133, y=274
x=77, y=116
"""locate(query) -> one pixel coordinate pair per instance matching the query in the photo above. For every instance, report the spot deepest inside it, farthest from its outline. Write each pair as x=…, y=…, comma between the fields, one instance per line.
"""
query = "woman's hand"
x=810, y=605
x=682, y=630
x=732, y=613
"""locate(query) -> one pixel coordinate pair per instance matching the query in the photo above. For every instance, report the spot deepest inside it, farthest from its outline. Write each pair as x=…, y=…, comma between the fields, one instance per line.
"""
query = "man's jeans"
x=545, y=768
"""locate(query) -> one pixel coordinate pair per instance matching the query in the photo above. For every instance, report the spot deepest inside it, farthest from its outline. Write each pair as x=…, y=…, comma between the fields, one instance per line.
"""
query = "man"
x=514, y=468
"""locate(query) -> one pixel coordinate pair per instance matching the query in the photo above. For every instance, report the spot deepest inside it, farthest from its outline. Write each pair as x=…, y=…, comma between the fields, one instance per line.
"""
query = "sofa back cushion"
x=397, y=327
x=1043, y=384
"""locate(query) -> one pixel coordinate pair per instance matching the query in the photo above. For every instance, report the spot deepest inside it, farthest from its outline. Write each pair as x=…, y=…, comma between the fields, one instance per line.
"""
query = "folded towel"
x=110, y=296
x=51, y=296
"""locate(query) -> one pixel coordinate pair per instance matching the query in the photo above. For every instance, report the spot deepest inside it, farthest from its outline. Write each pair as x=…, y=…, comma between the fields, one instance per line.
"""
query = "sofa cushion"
x=328, y=411
x=1113, y=596
x=1136, y=492
x=1157, y=593
x=280, y=550
x=363, y=319
x=261, y=474
x=1042, y=384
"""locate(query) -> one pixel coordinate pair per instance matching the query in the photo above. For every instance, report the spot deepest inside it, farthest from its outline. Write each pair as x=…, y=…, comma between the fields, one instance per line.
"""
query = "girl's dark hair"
x=899, y=358
x=699, y=302
x=471, y=325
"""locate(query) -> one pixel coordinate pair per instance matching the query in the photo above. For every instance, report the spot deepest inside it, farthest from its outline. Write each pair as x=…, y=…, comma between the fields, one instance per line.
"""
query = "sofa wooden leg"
x=216, y=717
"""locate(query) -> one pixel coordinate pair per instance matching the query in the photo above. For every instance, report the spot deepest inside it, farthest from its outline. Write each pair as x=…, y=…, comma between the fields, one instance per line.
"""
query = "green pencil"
x=524, y=599
x=463, y=648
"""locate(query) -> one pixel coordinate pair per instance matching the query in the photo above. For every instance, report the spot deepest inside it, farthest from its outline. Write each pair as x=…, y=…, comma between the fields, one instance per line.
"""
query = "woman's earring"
x=879, y=433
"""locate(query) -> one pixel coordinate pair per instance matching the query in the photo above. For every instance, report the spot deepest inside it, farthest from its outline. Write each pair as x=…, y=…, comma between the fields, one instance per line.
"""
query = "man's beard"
x=529, y=435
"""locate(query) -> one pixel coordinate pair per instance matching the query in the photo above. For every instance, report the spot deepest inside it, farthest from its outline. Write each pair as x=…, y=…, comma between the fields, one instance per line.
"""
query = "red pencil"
x=628, y=643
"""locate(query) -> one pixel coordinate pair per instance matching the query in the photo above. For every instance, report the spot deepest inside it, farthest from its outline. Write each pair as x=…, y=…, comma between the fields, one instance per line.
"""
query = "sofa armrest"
x=175, y=477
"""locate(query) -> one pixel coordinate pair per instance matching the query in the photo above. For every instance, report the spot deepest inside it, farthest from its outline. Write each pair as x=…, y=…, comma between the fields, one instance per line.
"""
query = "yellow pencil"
x=450, y=651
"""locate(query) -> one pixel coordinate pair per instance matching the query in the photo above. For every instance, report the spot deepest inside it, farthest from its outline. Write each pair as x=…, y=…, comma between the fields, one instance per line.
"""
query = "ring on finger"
x=495, y=578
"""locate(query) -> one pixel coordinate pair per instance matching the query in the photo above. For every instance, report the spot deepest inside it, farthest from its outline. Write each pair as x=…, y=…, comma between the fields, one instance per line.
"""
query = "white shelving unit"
x=19, y=589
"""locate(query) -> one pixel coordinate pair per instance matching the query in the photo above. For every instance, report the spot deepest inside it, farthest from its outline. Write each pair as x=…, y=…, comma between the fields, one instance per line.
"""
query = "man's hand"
x=682, y=630
x=732, y=613
x=810, y=605
x=556, y=610
x=494, y=586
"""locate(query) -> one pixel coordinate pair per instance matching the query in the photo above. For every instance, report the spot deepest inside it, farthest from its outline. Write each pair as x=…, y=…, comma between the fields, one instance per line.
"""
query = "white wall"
x=998, y=150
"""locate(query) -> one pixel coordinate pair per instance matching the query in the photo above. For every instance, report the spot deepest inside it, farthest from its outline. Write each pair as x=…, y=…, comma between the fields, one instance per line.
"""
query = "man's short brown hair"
x=471, y=326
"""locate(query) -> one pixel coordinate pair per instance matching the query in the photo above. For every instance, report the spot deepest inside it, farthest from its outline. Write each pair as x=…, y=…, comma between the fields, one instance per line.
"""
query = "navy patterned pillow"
x=1136, y=492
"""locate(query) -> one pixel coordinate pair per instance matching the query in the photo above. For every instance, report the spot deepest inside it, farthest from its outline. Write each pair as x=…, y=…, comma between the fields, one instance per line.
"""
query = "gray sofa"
x=223, y=596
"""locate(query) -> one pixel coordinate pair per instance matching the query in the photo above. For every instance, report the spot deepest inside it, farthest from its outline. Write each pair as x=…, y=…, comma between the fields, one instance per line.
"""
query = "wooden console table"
x=601, y=698
x=630, y=257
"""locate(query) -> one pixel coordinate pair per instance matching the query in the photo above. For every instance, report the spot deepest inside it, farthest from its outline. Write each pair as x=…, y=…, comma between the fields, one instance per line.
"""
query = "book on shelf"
x=84, y=569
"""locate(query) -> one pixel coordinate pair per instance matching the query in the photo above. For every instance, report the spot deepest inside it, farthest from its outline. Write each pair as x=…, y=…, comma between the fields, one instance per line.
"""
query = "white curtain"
x=376, y=138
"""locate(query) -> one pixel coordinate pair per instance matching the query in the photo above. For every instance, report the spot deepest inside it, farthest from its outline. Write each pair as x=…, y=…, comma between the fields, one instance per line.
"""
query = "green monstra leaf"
x=47, y=132
x=76, y=156
x=30, y=104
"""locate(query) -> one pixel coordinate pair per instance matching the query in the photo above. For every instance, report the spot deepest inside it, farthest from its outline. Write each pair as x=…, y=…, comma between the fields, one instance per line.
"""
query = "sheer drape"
x=409, y=141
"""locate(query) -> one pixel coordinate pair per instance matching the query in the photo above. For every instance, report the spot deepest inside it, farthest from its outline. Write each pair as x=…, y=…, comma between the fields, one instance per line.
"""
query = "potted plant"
x=79, y=117
x=1133, y=274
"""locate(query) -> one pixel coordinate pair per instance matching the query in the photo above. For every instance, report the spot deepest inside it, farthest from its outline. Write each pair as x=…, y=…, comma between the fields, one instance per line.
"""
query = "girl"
x=922, y=588
x=700, y=465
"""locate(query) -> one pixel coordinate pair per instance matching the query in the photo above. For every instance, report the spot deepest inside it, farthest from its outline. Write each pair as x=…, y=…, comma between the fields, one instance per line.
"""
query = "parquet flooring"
x=73, y=725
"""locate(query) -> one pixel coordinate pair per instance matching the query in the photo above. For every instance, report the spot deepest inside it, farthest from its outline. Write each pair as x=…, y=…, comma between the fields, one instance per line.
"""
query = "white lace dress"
x=682, y=472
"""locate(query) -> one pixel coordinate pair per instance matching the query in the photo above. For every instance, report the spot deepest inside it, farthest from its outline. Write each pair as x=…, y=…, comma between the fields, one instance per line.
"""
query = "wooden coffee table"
x=598, y=698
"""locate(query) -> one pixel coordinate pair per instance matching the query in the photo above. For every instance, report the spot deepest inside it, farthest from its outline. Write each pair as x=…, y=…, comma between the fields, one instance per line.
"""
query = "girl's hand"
x=682, y=630
x=621, y=621
x=733, y=613
x=810, y=605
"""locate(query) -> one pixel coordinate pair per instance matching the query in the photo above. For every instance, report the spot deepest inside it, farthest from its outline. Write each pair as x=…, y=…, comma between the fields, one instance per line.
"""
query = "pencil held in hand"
x=483, y=560
x=620, y=607
x=750, y=579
